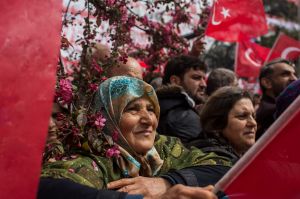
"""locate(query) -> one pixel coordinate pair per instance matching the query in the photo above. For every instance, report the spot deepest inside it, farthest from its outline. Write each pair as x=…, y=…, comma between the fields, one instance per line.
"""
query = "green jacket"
x=96, y=171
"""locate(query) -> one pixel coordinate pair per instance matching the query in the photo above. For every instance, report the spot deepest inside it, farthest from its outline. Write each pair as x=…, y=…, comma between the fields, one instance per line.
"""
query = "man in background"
x=184, y=88
x=273, y=79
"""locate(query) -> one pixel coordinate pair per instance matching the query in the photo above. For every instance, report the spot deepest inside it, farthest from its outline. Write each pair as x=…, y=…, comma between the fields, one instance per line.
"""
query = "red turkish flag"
x=231, y=18
x=285, y=47
x=29, y=47
x=249, y=58
x=271, y=168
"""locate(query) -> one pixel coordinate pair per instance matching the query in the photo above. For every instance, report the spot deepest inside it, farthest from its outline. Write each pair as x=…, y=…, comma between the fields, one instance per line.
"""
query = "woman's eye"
x=132, y=109
x=242, y=116
x=151, y=109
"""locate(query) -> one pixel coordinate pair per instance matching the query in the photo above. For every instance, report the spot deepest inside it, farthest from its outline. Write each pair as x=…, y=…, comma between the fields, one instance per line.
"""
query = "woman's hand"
x=185, y=192
x=149, y=187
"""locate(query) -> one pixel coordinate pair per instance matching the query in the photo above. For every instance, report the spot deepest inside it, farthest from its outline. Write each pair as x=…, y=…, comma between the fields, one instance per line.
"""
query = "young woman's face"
x=241, y=126
x=138, y=124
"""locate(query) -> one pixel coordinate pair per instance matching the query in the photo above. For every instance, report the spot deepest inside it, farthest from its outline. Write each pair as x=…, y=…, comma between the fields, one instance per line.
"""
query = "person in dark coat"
x=274, y=78
x=183, y=90
x=228, y=121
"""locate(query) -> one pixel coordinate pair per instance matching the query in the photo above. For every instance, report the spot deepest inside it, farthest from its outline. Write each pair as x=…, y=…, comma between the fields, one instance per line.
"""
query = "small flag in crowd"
x=285, y=47
x=249, y=58
x=231, y=18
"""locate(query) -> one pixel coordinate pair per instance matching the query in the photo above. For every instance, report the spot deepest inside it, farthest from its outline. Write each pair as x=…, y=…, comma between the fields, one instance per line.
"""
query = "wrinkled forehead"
x=279, y=68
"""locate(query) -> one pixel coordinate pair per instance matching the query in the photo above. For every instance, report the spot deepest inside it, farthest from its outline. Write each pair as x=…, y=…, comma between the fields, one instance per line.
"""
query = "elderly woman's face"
x=138, y=124
x=241, y=126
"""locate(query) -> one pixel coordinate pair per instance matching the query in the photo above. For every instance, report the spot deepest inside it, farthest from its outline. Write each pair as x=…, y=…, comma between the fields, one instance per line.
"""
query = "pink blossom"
x=145, y=20
x=95, y=166
x=115, y=136
x=65, y=91
x=97, y=67
x=113, y=152
x=93, y=87
x=100, y=121
x=110, y=2
x=103, y=78
x=124, y=15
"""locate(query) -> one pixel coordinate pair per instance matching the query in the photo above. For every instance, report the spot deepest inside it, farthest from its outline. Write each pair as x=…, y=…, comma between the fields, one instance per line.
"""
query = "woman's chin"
x=143, y=148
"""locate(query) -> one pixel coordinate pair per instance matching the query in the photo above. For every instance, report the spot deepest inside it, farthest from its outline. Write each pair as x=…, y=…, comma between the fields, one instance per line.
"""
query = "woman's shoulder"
x=83, y=169
x=177, y=156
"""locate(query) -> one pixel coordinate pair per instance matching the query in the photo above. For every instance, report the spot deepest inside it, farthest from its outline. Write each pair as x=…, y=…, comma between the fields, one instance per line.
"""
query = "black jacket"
x=50, y=188
x=178, y=116
x=265, y=115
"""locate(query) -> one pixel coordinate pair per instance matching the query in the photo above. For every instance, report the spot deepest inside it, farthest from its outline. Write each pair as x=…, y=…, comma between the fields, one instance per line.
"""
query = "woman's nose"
x=251, y=121
x=145, y=117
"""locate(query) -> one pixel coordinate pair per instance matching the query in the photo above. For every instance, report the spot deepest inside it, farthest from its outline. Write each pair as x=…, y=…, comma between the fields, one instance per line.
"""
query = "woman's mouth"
x=145, y=132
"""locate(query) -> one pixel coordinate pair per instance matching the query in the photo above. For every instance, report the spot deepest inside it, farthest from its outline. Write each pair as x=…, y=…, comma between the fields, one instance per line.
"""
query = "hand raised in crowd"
x=198, y=46
x=149, y=187
x=184, y=192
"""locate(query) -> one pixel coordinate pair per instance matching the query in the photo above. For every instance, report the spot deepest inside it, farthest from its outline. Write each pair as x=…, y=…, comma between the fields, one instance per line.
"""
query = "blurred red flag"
x=29, y=47
x=231, y=18
x=285, y=47
x=271, y=168
x=249, y=58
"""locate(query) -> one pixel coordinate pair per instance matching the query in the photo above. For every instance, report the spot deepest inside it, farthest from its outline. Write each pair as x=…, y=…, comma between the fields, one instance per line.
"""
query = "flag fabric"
x=285, y=47
x=270, y=169
x=249, y=58
x=29, y=47
x=230, y=19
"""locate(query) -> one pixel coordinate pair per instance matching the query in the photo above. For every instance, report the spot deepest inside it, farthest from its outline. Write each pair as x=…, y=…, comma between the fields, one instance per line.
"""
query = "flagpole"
x=271, y=51
x=236, y=57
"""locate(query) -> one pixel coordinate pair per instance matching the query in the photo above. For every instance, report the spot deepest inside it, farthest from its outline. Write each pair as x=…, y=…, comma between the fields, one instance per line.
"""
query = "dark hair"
x=214, y=114
x=267, y=70
x=218, y=78
x=180, y=65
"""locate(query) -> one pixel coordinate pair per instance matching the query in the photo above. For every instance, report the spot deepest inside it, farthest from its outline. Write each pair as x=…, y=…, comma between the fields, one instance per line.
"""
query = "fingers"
x=133, y=189
x=120, y=183
x=182, y=192
x=127, y=189
x=209, y=188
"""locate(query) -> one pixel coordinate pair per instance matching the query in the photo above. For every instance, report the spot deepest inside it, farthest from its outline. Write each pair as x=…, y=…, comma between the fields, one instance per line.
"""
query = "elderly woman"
x=228, y=121
x=124, y=144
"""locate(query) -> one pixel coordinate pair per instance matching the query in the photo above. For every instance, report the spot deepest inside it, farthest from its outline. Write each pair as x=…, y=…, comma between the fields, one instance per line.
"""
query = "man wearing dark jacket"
x=184, y=89
x=274, y=78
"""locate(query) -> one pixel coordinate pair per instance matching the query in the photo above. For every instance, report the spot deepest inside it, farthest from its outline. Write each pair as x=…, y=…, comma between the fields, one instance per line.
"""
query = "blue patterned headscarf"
x=115, y=93
x=111, y=99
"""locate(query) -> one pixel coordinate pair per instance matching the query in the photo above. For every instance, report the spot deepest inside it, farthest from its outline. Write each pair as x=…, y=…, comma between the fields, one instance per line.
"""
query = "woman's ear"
x=174, y=79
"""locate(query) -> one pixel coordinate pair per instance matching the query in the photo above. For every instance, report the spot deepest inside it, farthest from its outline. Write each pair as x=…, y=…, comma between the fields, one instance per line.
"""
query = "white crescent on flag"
x=248, y=52
x=287, y=51
x=213, y=21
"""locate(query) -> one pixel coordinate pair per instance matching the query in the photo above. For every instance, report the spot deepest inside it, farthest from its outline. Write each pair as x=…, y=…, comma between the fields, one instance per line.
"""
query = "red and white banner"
x=29, y=48
x=271, y=168
x=249, y=58
x=232, y=18
x=285, y=47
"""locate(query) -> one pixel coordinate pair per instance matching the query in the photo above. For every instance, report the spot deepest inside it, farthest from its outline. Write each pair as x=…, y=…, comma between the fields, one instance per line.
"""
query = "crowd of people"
x=174, y=141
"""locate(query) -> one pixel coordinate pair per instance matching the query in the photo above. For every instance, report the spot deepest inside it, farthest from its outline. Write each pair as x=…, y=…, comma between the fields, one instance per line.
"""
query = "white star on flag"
x=225, y=12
